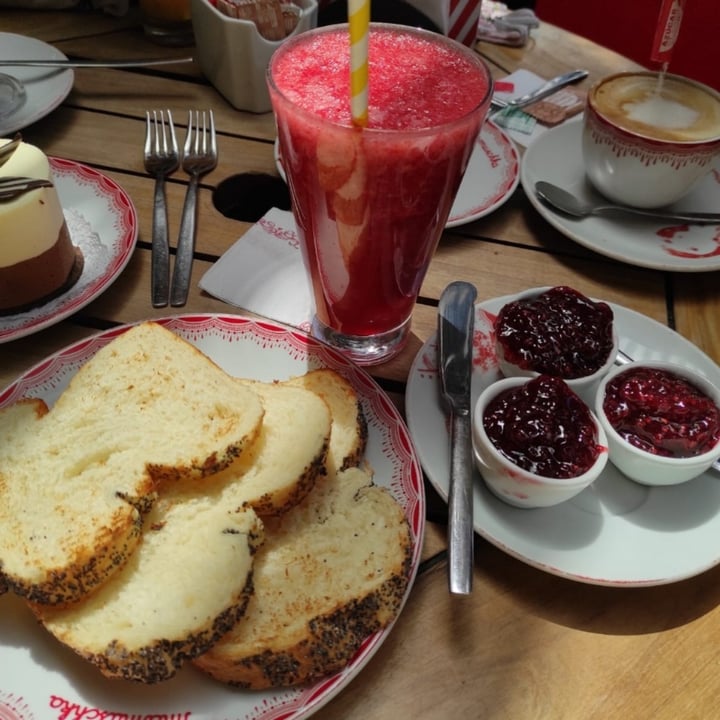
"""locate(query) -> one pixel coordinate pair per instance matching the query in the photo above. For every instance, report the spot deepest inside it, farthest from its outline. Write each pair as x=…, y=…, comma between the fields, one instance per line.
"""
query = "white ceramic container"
x=234, y=56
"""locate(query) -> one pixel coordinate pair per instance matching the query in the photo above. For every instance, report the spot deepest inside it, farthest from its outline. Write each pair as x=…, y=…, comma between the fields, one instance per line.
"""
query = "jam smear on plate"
x=661, y=413
x=559, y=332
x=544, y=428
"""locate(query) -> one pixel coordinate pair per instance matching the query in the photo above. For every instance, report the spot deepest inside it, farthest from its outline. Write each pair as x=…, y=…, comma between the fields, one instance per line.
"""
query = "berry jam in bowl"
x=557, y=331
x=536, y=442
x=662, y=421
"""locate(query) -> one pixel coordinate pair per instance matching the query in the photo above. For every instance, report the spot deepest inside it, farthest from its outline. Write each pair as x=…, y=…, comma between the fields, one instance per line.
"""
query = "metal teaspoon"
x=572, y=205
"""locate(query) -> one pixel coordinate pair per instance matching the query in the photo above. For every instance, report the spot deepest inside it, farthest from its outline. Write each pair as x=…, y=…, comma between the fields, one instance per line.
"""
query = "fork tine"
x=173, y=139
x=204, y=133
x=213, y=139
x=189, y=137
x=164, y=134
x=148, y=134
x=160, y=127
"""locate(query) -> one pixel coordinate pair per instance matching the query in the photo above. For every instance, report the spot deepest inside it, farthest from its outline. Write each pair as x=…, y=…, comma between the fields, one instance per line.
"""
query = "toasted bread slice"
x=17, y=422
x=75, y=481
x=289, y=454
x=187, y=583
x=349, y=426
x=332, y=571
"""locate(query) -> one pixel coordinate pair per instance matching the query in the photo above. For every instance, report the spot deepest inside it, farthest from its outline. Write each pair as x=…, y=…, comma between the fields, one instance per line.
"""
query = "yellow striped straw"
x=359, y=22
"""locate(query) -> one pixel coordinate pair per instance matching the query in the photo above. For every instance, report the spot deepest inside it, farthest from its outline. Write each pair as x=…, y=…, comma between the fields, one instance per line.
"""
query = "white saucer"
x=45, y=88
x=556, y=156
x=614, y=533
x=492, y=175
x=102, y=222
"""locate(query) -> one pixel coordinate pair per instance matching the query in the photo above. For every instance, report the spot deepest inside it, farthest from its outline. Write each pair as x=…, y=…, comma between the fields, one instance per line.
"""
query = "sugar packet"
x=274, y=20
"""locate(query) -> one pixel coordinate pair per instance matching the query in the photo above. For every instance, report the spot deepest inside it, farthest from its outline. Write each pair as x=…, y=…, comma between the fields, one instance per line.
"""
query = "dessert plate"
x=616, y=532
x=45, y=88
x=492, y=175
x=102, y=221
x=556, y=156
x=43, y=680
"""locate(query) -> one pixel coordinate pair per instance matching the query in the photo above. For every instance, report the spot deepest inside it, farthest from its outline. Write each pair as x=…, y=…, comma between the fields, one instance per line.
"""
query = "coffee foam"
x=665, y=109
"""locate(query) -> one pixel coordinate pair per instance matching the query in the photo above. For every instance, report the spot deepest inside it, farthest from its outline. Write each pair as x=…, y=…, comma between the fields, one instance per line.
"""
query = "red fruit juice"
x=371, y=203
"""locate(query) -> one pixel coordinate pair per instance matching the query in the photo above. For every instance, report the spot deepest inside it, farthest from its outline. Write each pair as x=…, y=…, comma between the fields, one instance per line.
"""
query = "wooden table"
x=526, y=644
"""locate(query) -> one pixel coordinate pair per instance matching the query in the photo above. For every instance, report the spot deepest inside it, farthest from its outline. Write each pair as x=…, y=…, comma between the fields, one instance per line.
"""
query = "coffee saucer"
x=556, y=156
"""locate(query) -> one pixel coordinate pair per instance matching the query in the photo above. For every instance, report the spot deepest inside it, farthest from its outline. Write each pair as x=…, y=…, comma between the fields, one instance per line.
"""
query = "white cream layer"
x=29, y=224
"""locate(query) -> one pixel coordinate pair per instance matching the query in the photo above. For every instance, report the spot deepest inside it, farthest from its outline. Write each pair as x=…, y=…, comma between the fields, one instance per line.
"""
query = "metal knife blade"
x=456, y=320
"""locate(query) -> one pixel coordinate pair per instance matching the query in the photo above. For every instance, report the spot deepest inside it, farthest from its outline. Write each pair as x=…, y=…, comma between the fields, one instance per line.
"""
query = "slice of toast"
x=75, y=481
x=332, y=571
x=349, y=425
x=289, y=454
x=186, y=584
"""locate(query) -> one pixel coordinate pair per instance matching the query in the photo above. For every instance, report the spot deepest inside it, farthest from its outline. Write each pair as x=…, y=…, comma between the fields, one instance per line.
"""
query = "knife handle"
x=460, y=505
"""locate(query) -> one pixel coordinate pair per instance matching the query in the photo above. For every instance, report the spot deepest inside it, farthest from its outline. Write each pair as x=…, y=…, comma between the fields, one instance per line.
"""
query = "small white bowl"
x=515, y=485
x=585, y=386
x=645, y=467
x=234, y=56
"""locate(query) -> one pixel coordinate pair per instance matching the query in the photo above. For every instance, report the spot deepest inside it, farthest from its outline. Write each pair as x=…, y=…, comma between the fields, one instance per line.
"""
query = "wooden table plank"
x=554, y=51
x=531, y=646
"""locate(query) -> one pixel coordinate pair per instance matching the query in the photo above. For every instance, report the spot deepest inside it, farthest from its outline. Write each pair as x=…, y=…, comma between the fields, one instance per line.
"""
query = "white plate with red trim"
x=556, y=156
x=616, y=532
x=45, y=88
x=492, y=174
x=42, y=680
x=491, y=177
x=102, y=222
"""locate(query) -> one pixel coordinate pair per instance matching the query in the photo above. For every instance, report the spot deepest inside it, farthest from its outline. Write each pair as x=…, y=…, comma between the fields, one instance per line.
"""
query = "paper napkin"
x=263, y=272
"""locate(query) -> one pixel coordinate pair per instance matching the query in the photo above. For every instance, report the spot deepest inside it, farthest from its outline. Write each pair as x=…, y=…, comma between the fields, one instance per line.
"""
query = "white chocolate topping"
x=30, y=223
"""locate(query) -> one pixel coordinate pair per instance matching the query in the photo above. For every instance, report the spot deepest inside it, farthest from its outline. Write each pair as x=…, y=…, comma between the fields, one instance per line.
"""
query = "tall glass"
x=371, y=203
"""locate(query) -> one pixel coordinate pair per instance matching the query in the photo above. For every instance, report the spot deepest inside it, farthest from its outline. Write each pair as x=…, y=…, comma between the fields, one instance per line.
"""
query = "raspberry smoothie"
x=371, y=203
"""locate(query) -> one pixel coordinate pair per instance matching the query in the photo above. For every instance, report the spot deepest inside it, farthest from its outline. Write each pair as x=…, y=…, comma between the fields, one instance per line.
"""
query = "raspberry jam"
x=559, y=332
x=661, y=413
x=543, y=427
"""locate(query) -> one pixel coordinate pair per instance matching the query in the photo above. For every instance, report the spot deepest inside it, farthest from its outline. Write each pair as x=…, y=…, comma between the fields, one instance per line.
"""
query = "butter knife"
x=94, y=63
x=543, y=91
x=456, y=321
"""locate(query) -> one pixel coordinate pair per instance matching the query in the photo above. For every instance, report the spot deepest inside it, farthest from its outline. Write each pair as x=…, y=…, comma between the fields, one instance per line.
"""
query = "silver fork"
x=161, y=159
x=199, y=156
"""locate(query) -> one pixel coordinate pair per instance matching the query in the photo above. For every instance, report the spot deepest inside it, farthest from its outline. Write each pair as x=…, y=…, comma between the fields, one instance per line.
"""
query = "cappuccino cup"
x=649, y=138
